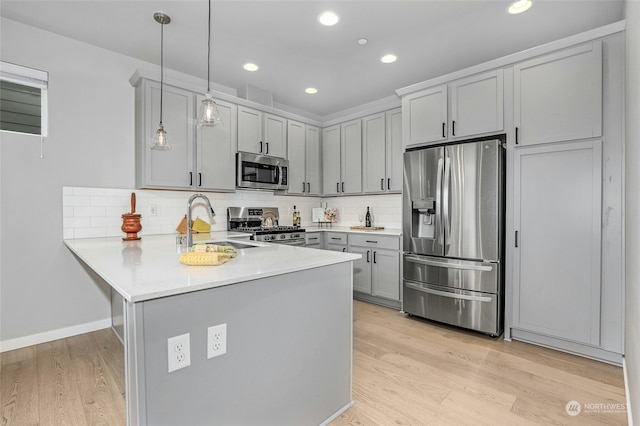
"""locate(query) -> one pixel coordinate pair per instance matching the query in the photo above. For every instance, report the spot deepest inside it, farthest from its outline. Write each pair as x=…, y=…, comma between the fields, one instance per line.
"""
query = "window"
x=23, y=99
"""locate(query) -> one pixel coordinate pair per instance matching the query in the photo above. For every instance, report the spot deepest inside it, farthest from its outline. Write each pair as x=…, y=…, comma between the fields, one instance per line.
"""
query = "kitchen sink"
x=235, y=244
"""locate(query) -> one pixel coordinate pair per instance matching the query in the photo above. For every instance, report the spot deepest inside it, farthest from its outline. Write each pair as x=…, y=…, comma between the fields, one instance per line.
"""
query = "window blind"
x=23, y=99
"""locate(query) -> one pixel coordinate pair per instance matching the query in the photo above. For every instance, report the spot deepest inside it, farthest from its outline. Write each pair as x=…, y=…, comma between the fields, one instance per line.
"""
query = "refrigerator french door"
x=453, y=226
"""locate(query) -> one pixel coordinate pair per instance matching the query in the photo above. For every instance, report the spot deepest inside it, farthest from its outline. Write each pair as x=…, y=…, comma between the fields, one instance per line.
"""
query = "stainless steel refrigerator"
x=453, y=234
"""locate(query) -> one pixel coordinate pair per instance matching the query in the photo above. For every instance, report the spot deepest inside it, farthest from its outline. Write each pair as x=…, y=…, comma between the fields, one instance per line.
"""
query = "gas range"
x=262, y=223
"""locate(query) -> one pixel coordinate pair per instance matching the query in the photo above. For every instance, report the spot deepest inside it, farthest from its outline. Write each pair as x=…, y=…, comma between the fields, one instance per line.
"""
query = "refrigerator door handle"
x=430, y=262
x=445, y=198
x=439, y=223
x=447, y=294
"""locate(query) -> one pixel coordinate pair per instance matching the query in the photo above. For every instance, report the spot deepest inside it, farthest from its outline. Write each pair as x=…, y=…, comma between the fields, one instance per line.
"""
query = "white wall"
x=632, y=234
x=46, y=293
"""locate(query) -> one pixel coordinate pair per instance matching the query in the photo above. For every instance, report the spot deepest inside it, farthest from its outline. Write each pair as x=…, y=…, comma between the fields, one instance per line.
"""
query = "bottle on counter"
x=296, y=217
x=367, y=219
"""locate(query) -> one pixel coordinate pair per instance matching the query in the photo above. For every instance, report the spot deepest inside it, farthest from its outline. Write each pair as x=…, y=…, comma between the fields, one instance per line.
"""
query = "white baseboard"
x=626, y=391
x=48, y=336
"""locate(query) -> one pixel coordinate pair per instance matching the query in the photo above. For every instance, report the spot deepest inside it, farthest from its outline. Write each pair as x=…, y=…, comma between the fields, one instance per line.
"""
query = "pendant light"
x=209, y=116
x=161, y=140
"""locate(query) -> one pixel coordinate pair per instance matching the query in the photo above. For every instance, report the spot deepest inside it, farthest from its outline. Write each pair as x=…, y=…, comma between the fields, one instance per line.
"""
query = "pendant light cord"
x=161, y=66
x=209, y=50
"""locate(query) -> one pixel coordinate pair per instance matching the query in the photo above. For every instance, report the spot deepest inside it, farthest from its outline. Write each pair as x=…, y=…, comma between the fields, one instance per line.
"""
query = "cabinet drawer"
x=375, y=241
x=336, y=238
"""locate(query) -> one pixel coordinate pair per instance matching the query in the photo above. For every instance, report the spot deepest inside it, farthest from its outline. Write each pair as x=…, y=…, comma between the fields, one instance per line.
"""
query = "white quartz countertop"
x=391, y=231
x=149, y=268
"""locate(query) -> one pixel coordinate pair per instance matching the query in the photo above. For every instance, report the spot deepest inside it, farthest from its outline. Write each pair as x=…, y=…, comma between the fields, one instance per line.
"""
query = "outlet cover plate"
x=216, y=340
x=179, y=352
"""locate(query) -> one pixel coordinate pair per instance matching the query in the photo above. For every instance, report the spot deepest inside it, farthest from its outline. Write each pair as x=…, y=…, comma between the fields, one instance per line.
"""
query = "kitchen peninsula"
x=288, y=317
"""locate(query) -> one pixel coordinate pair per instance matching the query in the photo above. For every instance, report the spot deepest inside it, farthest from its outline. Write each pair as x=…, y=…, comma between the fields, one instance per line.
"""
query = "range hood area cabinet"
x=304, y=154
x=261, y=133
x=200, y=158
x=469, y=107
x=342, y=158
x=382, y=152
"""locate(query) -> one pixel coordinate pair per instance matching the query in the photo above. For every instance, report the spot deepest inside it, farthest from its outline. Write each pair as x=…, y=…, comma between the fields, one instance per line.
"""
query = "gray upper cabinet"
x=476, y=105
x=473, y=106
x=382, y=152
x=261, y=133
x=342, y=158
x=303, y=152
x=424, y=116
x=558, y=97
x=198, y=158
x=215, y=151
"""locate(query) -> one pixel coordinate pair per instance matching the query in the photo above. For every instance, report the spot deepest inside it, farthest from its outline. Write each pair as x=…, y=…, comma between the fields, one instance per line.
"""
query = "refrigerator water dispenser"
x=424, y=214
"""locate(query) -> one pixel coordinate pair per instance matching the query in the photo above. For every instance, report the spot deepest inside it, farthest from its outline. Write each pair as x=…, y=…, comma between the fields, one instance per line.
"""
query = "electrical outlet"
x=216, y=340
x=153, y=210
x=179, y=352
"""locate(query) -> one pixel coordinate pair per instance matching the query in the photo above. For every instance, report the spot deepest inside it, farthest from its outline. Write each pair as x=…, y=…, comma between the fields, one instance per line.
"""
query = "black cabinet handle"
x=260, y=147
x=199, y=179
x=367, y=256
x=336, y=238
x=308, y=188
x=342, y=186
x=516, y=136
x=190, y=178
x=267, y=148
x=382, y=184
x=453, y=127
x=303, y=187
x=516, y=238
x=389, y=184
x=443, y=128
x=372, y=242
x=338, y=187
x=344, y=249
x=374, y=257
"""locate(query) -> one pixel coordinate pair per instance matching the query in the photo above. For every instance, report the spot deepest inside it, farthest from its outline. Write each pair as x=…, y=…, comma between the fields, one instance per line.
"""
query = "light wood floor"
x=406, y=372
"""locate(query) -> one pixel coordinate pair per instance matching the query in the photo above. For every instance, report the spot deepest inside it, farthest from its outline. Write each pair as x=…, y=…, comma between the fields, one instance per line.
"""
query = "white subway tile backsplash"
x=96, y=212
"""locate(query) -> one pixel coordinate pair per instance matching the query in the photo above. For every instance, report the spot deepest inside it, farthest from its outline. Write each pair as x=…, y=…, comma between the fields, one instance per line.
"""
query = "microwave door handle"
x=278, y=174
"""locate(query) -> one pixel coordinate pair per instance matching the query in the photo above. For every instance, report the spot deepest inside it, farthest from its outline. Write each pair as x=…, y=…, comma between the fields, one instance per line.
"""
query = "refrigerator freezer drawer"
x=454, y=273
x=468, y=309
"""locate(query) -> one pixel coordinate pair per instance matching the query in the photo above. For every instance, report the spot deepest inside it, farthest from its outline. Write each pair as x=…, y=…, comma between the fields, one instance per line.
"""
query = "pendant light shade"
x=161, y=140
x=209, y=116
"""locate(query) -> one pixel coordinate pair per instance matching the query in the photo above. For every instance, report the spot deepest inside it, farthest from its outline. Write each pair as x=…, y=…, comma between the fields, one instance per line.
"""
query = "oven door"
x=261, y=171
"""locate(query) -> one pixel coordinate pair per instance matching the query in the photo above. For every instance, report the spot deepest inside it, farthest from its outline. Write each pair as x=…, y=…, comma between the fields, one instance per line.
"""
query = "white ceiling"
x=293, y=51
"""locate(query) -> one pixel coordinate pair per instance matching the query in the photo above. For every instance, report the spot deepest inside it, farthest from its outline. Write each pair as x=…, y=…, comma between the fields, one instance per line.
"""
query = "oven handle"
x=448, y=265
x=447, y=294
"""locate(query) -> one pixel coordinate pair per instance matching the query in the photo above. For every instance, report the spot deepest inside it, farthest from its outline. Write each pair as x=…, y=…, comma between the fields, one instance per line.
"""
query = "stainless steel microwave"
x=257, y=171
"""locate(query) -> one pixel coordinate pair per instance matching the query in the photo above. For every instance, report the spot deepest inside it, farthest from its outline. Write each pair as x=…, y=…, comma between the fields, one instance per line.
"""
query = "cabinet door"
x=477, y=105
x=250, y=130
x=172, y=168
x=313, y=163
x=393, y=164
x=331, y=160
x=557, y=217
x=351, y=157
x=296, y=153
x=216, y=150
x=385, y=274
x=362, y=269
x=558, y=97
x=424, y=116
x=373, y=153
x=275, y=136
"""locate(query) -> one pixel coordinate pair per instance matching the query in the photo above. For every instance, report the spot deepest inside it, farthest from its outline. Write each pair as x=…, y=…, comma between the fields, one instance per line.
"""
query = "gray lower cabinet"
x=314, y=240
x=376, y=276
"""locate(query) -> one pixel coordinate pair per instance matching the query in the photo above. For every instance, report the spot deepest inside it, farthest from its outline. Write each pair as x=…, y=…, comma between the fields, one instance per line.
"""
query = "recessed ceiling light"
x=250, y=67
x=363, y=41
x=387, y=59
x=311, y=90
x=328, y=18
x=519, y=6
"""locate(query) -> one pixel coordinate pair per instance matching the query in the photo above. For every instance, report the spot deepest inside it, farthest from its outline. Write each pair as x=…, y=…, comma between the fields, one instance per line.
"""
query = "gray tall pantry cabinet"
x=303, y=153
x=567, y=200
x=342, y=158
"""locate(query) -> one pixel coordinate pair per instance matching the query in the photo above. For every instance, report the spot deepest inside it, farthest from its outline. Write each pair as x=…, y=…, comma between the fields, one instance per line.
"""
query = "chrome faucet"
x=189, y=221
